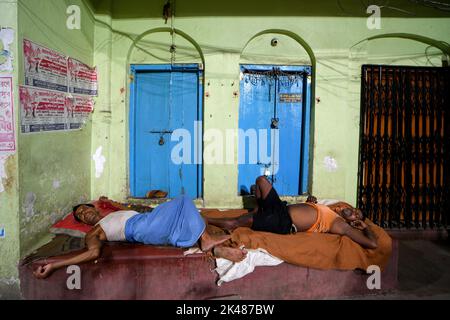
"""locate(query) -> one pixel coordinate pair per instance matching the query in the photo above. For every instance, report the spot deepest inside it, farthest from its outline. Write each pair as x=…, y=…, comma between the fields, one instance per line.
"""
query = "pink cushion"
x=68, y=225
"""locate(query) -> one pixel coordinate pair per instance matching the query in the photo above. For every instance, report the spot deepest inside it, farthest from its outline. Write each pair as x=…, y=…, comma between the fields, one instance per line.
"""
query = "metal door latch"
x=162, y=141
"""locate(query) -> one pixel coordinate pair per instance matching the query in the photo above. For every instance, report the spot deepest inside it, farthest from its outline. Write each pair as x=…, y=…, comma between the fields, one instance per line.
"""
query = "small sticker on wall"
x=2, y=232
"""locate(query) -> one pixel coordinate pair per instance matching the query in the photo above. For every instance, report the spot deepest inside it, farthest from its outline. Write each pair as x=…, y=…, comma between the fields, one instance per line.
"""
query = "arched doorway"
x=166, y=112
x=277, y=81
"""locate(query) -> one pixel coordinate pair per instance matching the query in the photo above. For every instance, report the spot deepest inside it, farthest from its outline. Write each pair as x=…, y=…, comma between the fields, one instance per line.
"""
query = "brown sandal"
x=156, y=194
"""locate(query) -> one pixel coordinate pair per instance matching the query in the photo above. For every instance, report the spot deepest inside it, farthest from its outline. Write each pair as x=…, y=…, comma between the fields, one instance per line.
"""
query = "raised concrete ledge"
x=128, y=272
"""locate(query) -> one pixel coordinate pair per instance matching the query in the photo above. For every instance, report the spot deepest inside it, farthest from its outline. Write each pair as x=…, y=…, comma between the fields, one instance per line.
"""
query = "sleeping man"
x=177, y=223
x=273, y=215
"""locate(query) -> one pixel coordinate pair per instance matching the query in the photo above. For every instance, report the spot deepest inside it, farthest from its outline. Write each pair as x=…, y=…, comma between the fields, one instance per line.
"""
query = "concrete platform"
x=129, y=271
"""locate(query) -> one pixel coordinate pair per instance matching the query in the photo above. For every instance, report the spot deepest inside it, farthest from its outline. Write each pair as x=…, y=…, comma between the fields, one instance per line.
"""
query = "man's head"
x=347, y=212
x=351, y=214
x=86, y=213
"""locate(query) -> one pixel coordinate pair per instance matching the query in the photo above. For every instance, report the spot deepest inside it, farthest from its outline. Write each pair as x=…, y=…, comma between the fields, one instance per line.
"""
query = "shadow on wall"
x=129, y=9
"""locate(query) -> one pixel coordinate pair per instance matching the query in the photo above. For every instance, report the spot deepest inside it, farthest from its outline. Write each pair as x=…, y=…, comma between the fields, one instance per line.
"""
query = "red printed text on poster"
x=82, y=78
x=42, y=110
x=79, y=108
x=44, y=68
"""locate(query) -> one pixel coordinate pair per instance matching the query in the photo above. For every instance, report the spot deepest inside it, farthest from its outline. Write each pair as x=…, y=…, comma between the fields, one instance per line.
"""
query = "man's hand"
x=44, y=271
x=311, y=199
x=358, y=224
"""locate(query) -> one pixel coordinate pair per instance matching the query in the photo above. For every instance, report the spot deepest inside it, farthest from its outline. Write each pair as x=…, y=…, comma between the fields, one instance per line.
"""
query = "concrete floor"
x=424, y=272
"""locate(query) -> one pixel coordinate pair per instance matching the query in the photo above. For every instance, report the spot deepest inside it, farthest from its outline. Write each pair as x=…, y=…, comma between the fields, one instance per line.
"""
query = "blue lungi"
x=177, y=223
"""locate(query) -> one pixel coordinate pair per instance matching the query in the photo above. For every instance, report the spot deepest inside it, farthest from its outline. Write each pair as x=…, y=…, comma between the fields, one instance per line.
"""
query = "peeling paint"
x=99, y=160
x=330, y=164
x=3, y=175
x=30, y=199
x=10, y=168
x=55, y=216
x=11, y=281
x=7, y=169
x=56, y=184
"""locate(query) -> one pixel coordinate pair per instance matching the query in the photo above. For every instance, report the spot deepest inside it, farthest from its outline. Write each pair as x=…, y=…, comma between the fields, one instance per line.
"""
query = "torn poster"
x=45, y=110
x=3, y=159
x=44, y=68
x=6, y=55
x=82, y=78
x=79, y=108
x=7, y=133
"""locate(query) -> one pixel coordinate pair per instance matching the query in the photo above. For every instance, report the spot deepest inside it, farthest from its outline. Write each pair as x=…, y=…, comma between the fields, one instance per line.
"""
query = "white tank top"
x=114, y=224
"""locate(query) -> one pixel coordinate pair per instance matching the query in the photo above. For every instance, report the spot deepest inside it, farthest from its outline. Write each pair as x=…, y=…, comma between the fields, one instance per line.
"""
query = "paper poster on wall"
x=44, y=67
x=6, y=55
x=82, y=78
x=79, y=108
x=42, y=110
x=7, y=134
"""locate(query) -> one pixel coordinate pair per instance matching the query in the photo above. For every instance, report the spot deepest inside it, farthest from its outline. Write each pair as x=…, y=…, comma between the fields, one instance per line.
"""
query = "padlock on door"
x=275, y=122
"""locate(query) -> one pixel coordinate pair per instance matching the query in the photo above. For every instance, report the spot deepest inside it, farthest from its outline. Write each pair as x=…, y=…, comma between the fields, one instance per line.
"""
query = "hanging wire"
x=433, y=4
x=285, y=79
x=173, y=48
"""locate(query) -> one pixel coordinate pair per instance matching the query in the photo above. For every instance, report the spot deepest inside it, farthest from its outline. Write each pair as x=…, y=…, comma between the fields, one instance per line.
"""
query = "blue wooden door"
x=163, y=100
x=274, y=103
x=255, y=114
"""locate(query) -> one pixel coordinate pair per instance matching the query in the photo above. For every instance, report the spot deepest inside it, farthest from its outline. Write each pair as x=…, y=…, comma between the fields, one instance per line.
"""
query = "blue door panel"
x=256, y=110
x=286, y=179
x=151, y=116
x=163, y=99
x=263, y=98
x=184, y=93
x=306, y=133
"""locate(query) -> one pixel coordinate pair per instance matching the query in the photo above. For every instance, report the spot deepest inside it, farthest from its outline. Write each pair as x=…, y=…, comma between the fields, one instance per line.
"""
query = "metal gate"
x=404, y=159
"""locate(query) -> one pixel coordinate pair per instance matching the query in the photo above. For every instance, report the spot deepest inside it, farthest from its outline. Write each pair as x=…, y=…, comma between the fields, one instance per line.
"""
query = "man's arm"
x=360, y=233
x=93, y=244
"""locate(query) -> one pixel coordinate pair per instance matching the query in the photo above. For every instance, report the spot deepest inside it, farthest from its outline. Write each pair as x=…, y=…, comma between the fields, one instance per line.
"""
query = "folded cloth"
x=315, y=250
x=319, y=250
x=229, y=270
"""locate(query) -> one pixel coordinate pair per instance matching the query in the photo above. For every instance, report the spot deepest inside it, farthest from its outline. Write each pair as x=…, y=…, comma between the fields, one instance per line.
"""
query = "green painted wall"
x=222, y=41
x=9, y=204
x=54, y=166
x=52, y=171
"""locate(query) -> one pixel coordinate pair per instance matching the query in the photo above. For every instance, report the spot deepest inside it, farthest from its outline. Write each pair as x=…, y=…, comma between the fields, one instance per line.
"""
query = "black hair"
x=74, y=210
x=362, y=212
x=363, y=215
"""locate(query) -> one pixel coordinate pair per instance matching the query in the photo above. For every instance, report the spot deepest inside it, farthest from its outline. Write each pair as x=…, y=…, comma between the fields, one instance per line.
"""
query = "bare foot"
x=208, y=241
x=232, y=254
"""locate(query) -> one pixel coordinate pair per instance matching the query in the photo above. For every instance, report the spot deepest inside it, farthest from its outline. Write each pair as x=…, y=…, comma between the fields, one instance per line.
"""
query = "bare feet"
x=232, y=254
x=208, y=241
